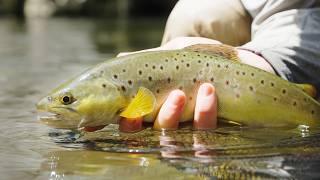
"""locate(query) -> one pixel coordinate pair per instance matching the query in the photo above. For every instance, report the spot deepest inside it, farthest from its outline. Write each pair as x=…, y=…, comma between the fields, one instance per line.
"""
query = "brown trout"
x=137, y=85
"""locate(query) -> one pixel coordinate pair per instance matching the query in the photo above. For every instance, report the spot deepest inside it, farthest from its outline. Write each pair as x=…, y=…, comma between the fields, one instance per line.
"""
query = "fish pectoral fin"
x=142, y=104
x=223, y=50
x=309, y=89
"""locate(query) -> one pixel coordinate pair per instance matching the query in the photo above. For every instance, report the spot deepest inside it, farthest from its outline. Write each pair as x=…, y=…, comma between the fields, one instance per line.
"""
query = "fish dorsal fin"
x=223, y=50
x=142, y=104
x=309, y=89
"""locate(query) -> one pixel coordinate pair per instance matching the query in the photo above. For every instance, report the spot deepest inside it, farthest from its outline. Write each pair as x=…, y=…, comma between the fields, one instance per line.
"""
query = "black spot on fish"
x=207, y=64
x=153, y=67
x=182, y=61
x=104, y=85
x=133, y=96
x=205, y=56
x=312, y=111
x=181, y=87
x=194, y=80
x=271, y=84
x=284, y=91
x=218, y=65
x=199, y=61
x=101, y=72
x=146, y=65
x=140, y=72
x=211, y=57
x=227, y=82
x=177, y=54
x=262, y=81
x=243, y=73
x=251, y=88
x=198, y=55
x=305, y=99
x=158, y=91
x=294, y=103
x=161, y=67
x=129, y=82
x=237, y=72
x=252, y=74
x=175, y=59
x=211, y=79
x=177, y=67
x=150, y=78
x=166, y=60
x=123, y=70
x=184, y=55
x=123, y=88
x=115, y=76
x=226, y=66
x=275, y=99
x=169, y=80
x=188, y=65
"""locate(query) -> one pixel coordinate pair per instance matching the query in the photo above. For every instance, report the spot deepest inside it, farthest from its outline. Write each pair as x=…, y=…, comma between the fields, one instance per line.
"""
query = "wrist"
x=253, y=59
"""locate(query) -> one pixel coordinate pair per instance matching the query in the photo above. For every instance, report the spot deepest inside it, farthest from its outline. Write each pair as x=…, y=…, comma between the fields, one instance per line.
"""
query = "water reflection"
x=228, y=153
x=108, y=165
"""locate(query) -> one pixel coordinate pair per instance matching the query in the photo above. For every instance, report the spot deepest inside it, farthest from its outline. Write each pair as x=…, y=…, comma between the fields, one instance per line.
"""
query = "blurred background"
x=115, y=25
x=44, y=43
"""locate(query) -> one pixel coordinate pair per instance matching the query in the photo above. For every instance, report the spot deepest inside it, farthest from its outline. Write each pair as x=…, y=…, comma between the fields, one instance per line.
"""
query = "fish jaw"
x=58, y=117
x=56, y=121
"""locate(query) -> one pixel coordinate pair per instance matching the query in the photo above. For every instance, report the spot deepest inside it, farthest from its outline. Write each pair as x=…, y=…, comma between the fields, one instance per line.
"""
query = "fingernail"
x=206, y=89
x=176, y=98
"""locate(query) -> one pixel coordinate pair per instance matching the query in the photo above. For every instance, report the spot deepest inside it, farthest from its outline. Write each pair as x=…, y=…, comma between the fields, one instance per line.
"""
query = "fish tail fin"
x=223, y=50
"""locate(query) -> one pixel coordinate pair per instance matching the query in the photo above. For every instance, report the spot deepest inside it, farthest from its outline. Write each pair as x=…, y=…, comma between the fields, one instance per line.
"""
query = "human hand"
x=205, y=113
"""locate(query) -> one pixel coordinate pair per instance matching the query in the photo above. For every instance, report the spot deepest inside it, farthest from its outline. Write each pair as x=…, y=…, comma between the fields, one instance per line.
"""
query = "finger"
x=170, y=112
x=123, y=54
x=145, y=50
x=130, y=125
x=205, y=115
x=182, y=42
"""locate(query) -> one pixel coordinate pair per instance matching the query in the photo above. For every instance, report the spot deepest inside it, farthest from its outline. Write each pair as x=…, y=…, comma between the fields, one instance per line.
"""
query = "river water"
x=37, y=55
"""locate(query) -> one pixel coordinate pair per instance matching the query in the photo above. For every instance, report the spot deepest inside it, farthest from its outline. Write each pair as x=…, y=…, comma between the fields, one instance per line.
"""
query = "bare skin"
x=205, y=115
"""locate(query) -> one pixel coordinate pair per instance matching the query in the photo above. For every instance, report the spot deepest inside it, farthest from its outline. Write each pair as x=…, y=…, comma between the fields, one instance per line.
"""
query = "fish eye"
x=67, y=99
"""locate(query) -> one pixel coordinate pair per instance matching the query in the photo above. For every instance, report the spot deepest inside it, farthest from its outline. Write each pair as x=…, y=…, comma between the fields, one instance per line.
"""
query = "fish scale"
x=246, y=95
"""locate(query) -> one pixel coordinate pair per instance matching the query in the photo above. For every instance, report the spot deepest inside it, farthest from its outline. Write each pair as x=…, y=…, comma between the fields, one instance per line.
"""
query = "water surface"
x=37, y=55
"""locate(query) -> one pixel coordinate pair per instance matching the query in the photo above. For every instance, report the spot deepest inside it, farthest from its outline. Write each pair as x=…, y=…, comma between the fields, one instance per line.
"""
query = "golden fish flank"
x=138, y=84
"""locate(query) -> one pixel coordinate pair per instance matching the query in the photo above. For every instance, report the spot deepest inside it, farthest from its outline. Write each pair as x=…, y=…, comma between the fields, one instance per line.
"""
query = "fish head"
x=82, y=103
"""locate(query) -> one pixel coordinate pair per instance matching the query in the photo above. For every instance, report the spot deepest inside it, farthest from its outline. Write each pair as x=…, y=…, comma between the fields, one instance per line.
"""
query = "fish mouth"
x=59, y=120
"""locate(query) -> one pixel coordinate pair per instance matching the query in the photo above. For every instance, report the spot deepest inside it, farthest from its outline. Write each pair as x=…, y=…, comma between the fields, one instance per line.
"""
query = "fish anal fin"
x=142, y=104
x=223, y=50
